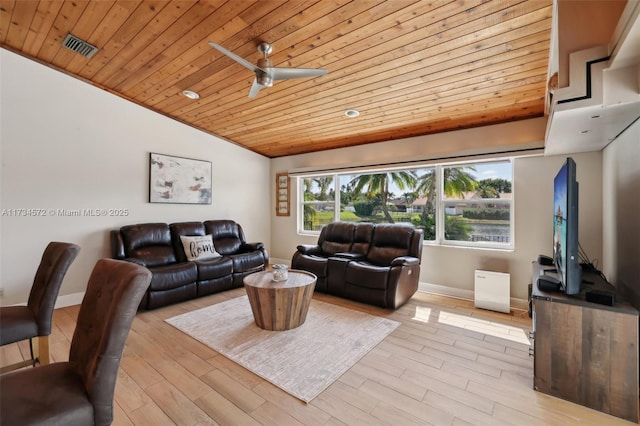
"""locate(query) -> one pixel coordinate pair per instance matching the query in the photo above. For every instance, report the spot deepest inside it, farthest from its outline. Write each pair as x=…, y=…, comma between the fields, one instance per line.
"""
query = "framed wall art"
x=282, y=194
x=179, y=180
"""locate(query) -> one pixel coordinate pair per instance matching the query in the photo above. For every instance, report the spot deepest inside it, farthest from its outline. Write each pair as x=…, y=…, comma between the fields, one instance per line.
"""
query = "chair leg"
x=34, y=356
x=40, y=351
x=43, y=350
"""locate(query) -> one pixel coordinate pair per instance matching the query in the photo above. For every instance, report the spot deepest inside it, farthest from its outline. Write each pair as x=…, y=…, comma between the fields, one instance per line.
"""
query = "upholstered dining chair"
x=33, y=321
x=80, y=391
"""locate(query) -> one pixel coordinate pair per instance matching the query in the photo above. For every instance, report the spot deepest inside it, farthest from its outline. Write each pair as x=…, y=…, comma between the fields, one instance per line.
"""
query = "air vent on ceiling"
x=85, y=49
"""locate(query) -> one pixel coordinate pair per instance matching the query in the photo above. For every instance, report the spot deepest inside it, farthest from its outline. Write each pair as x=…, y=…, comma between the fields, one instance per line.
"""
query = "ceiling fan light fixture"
x=191, y=94
x=352, y=113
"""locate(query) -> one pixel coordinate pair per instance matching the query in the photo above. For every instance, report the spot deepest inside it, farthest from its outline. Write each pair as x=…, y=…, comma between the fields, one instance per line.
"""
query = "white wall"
x=68, y=145
x=621, y=195
x=453, y=267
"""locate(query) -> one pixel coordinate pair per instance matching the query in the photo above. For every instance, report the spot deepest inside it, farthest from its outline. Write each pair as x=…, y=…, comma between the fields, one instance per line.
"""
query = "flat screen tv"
x=565, y=228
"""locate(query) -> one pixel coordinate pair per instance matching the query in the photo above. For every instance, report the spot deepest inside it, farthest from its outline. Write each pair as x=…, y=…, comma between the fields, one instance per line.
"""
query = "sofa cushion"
x=154, y=255
x=199, y=247
x=227, y=235
x=214, y=268
x=156, y=299
x=172, y=276
x=337, y=238
x=149, y=242
x=180, y=229
x=365, y=275
x=247, y=261
x=317, y=265
x=390, y=241
x=362, y=238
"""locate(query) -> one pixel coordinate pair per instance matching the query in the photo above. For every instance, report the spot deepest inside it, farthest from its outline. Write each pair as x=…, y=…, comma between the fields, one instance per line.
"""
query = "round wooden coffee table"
x=280, y=305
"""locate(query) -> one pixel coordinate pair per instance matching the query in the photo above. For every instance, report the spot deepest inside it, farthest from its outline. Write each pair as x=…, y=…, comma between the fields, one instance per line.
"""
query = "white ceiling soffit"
x=603, y=96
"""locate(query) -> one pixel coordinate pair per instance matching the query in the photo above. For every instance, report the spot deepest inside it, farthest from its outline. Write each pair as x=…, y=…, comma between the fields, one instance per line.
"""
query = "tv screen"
x=565, y=228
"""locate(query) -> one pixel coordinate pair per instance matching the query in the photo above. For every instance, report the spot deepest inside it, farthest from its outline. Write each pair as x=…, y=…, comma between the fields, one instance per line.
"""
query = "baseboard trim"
x=459, y=293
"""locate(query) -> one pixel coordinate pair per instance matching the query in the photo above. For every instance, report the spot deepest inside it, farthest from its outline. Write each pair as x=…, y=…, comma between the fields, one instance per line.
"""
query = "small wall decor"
x=179, y=180
x=282, y=194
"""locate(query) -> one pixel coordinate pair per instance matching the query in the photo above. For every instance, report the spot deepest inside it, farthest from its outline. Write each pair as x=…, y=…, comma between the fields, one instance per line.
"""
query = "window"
x=318, y=201
x=466, y=204
x=476, y=203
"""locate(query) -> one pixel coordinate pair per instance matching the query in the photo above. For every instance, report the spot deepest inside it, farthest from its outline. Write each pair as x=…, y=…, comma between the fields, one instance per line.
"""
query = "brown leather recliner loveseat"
x=378, y=264
x=218, y=262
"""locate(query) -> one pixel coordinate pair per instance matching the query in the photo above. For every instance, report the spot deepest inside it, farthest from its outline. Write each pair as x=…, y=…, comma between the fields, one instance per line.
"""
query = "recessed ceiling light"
x=352, y=113
x=190, y=94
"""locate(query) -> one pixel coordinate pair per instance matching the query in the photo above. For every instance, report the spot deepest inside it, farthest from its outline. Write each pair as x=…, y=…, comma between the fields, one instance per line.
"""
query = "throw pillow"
x=199, y=248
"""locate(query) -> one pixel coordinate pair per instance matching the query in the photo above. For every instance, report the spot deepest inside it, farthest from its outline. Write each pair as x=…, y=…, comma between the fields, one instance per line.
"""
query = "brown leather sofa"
x=159, y=247
x=378, y=264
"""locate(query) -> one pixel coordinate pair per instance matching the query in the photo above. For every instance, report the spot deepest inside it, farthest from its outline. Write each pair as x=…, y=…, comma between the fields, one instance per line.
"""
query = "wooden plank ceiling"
x=410, y=67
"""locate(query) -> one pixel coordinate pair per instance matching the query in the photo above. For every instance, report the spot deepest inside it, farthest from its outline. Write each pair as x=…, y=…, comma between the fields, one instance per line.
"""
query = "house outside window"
x=466, y=204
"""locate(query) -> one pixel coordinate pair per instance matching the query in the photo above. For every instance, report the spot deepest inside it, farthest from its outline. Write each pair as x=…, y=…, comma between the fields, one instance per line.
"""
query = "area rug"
x=303, y=361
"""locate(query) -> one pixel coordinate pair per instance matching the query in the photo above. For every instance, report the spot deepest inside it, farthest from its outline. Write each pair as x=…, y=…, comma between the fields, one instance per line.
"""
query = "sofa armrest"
x=405, y=261
x=349, y=255
x=117, y=245
x=247, y=247
x=309, y=249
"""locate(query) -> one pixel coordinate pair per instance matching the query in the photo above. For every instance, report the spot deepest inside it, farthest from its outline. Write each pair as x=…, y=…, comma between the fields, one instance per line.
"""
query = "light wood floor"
x=447, y=364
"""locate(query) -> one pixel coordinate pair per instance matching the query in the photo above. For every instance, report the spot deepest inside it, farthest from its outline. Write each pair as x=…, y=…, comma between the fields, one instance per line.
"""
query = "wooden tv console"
x=586, y=352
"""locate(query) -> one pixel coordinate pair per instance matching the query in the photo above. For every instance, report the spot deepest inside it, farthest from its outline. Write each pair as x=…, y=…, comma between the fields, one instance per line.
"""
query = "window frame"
x=440, y=202
x=302, y=202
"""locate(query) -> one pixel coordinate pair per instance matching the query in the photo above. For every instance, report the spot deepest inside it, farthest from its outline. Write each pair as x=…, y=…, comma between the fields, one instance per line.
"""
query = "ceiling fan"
x=265, y=72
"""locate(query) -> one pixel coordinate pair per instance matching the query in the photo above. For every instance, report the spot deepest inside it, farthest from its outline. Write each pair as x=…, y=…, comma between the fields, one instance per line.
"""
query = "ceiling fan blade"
x=286, y=73
x=235, y=57
x=255, y=88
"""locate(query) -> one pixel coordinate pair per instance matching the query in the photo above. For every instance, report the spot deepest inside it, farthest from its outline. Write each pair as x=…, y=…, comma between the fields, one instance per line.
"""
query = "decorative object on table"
x=280, y=272
x=282, y=194
x=316, y=354
x=179, y=180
